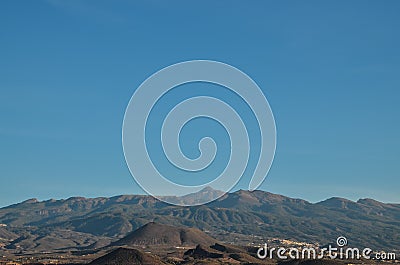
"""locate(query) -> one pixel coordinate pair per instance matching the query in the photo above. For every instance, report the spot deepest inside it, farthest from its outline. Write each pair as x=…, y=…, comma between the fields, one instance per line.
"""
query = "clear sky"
x=330, y=70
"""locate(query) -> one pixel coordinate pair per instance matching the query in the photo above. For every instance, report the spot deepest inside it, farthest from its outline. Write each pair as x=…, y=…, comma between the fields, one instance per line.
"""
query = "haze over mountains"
x=240, y=217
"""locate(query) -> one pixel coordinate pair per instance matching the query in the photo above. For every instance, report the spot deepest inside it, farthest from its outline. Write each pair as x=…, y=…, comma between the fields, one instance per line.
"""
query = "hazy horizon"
x=143, y=193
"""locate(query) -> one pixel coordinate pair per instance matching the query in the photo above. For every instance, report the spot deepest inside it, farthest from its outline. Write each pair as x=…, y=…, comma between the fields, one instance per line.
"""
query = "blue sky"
x=330, y=71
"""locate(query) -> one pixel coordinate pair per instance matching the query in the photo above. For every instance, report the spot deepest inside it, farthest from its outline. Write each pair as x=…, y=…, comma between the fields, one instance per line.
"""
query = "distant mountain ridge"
x=78, y=222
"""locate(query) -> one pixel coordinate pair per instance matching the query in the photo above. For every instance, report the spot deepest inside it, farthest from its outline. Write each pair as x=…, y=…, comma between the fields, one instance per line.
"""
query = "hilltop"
x=159, y=234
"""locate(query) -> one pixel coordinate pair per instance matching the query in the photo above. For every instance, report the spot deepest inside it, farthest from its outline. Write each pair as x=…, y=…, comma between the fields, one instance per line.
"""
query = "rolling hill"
x=159, y=234
x=127, y=256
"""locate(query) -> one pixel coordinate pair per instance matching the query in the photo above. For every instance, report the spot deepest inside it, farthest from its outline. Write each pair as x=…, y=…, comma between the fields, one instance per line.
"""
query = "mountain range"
x=240, y=218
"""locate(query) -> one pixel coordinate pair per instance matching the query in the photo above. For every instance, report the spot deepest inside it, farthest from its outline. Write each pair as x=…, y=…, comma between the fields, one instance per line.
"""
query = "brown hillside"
x=127, y=256
x=159, y=234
